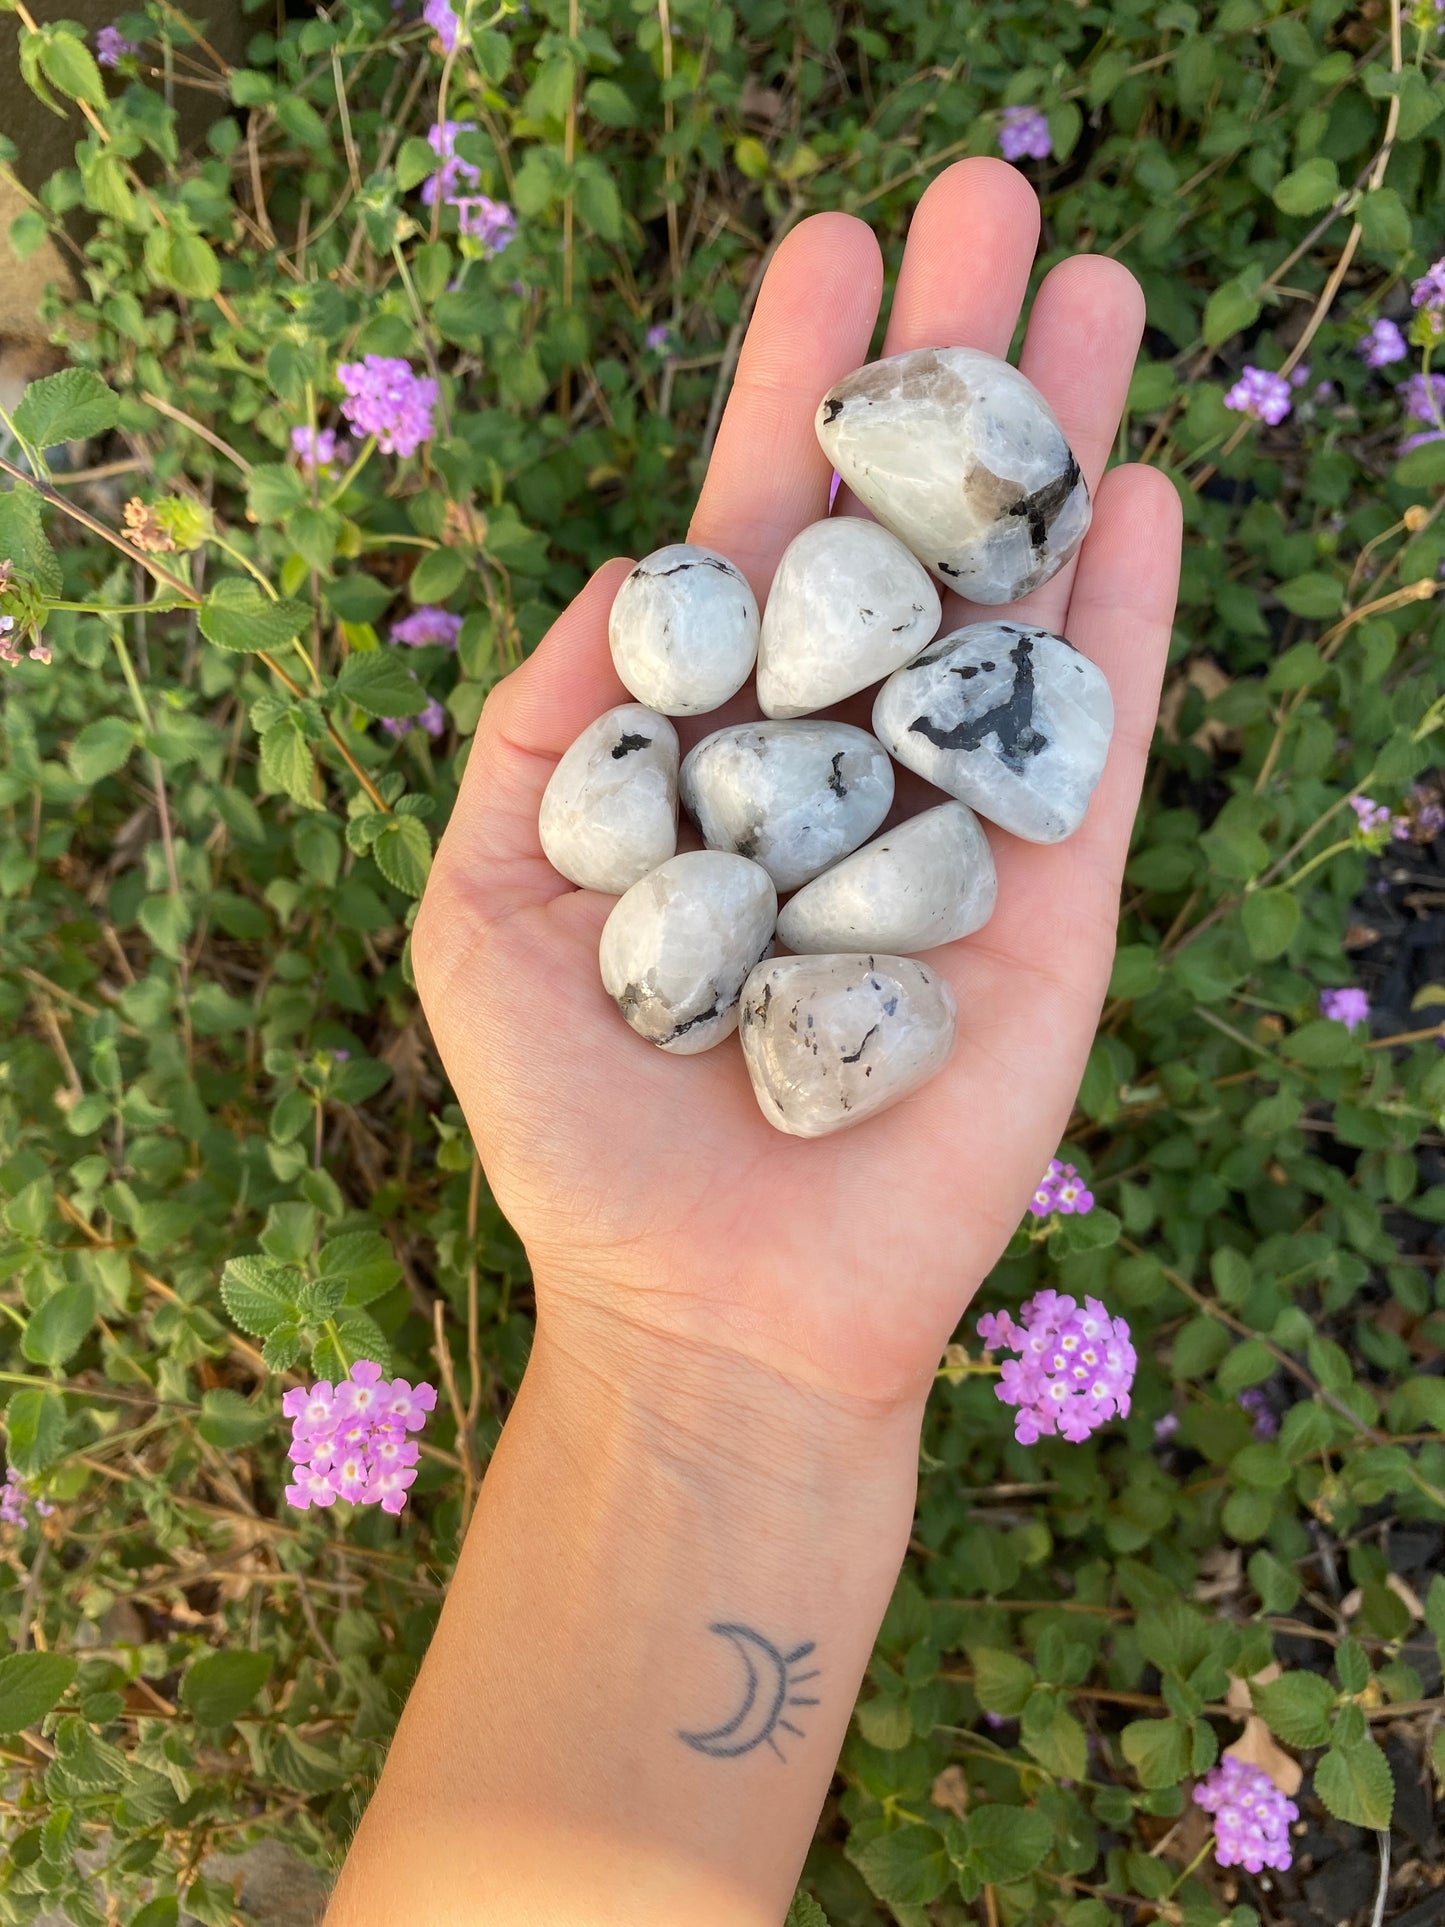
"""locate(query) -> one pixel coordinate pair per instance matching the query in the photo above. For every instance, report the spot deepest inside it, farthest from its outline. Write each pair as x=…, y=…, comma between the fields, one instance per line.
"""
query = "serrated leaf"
x=1296, y=1707
x=805, y=1912
x=908, y=1868
x=183, y=262
x=69, y=66
x=402, y=849
x=1308, y=188
x=260, y=1293
x=219, y=1686
x=1002, y=1682
x=381, y=682
x=30, y=1685
x=68, y=407
x=1356, y=1785
x=364, y=1260
x=229, y=1420
x=56, y=1331
x=34, y=1425
x=1270, y=919
x=237, y=616
x=288, y=762
x=1008, y=1842
x=22, y=539
x=1230, y=309
x=1055, y=1738
x=1158, y=1750
x=101, y=748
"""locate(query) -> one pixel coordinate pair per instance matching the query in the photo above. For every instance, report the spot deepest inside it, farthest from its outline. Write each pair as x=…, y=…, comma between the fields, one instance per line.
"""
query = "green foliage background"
x=212, y=855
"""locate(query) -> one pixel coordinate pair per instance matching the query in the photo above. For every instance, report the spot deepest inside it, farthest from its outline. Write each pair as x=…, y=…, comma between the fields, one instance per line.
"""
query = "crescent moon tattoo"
x=767, y=1692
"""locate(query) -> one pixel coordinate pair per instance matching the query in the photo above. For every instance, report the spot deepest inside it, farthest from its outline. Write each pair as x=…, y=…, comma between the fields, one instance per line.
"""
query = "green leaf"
x=1054, y=1737
x=381, y=682
x=1248, y=1364
x=440, y=573
x=908, y=1868
x=1158, y=1751
x=101, y=748
x=274, y=490
x=30, y=1685
x=1309, y=188
x=57, y=1330
x=1385, y=221
x=260, y=1293
x=1319, y=1044
x=22, y=538
x=287, y=761
x=1002, y=1682
x=68, y=407
x=34, y=1423
x=167, y=921
x=69, y=66
x=805, y=1912
x=1356, y=1785
x=415, y=160
x=184, y=262
x=403, y=853
x=1262, y=1465
x=163, y=1911
x=1277, y=1584
x=1296, y=1707
x=220, y=1686
x=1270, y=919
x=1422, y=467
x=229, y=1420
x=1232, y=307
x=1008, y=1842
x=237, y=615
x=365, y=1260
x=610, y=104
x=1312, y=594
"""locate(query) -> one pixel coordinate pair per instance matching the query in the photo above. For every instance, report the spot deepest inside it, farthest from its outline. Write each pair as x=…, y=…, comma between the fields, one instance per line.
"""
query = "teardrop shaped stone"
x=848, y=606
x=960, y=455
x=792, y=796
x=925, y=882
x=609, y=811
x=684, y=630
x=832, y=1040
x=678, y=946
x=1009, y=719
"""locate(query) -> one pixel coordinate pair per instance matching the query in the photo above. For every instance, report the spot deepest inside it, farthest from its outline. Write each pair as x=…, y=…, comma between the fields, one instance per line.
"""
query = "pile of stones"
x=974, y=488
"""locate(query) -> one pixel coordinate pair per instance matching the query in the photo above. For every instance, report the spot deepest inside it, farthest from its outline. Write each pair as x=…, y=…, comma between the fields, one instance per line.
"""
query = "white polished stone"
x=927, y=881
x=678, y=946
x=848, y=606
x=1009, y=719
x=832, y=1040
x=684, y=630
x=609, y=811
x=960, y=455
x=792, y=796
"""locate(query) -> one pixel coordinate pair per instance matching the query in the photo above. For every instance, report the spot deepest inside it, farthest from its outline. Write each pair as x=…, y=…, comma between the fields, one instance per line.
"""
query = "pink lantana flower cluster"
x=428, y=624
x=1061, y=1189
x=1261, y=394
x=15, y=1496
x=1377, y=822
x=349, y=1441
x=1024, y=134
x=1251, y=1816
x=1074, y=1371
x=1347, y=1004
x=386, y=399
x=457, y=185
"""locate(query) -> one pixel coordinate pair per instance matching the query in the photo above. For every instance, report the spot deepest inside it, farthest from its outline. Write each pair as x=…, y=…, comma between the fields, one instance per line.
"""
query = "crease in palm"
x=652, y=1184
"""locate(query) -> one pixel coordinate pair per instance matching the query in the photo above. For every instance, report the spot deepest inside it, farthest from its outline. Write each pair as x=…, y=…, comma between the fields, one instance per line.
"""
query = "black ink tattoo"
x=768, y=1690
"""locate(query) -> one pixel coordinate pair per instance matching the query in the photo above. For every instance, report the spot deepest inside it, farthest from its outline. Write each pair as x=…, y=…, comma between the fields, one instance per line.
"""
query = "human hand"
x=649, y=1191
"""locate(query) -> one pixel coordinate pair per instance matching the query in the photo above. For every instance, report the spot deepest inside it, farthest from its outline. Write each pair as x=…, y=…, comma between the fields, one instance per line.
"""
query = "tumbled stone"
x=1009, y=719
x=678, y=946
x=684, y=630
x=792, y=796
x=832, y=1040
x=925, y=882
x=960, y=455
x=609, y=811
x=848, y=606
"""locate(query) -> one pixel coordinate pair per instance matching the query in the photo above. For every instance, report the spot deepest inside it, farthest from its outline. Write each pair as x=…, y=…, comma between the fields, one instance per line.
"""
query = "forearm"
x=646, y=1663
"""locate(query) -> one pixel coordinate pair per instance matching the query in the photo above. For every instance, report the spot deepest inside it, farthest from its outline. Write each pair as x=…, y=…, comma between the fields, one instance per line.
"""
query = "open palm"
x=648, y=1187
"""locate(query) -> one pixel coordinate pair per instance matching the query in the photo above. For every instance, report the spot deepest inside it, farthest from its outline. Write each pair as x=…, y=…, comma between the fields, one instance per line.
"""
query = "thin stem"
x=367, y=448
x=1322, y=856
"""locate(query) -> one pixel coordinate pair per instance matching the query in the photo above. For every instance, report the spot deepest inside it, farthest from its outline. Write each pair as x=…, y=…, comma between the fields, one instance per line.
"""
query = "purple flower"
x=1430, y=819
x=658, y=338
x=1251, y=1816
x=492, y=223
x=1300, y=375
x=428, y=624
x=384, y=398
x=443, y=23
x=1075, y=1366
x=454, y=172
x=1423, y=397
x=15, y=1496
x=1261, y=394
x=1253, y=1401
x=348, y=1441
x=433, y=719
x=1061, y=1189
x=1166, y=1427
x=1429, y=291
x=1382, y=345
x=1347, y=1005
x=111, y=46
x=1024, y=132
x=319, y=450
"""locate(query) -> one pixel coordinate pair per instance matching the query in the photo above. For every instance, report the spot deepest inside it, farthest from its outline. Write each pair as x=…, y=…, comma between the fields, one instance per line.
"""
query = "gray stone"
x=960, y=455
x=848, y=606
x=609, y=812
x=832, y=1040
x=792, y=796
x=1009, y=719
x=678, y=946
x=928, y=881
x=684, y=630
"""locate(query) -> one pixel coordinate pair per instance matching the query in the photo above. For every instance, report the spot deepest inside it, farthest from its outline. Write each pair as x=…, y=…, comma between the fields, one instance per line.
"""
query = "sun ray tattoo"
x=767, y=1692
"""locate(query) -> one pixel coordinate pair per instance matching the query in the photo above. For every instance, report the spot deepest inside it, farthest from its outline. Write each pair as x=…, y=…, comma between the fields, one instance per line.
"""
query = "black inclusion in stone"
x=832, y=409
x=626, y=744
x=835, y=781
x=1011, y=721
x=1040, y=508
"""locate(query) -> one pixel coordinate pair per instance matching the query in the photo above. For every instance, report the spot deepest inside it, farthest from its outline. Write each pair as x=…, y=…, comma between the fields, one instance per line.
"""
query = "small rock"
x=684, y=630
x=928, y=881
x=960, y=455
x=792, y=796
x=848, y=606
x=832, y=1040
x=609, y=812
x=1009, y=719
x=678, y=946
